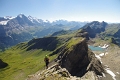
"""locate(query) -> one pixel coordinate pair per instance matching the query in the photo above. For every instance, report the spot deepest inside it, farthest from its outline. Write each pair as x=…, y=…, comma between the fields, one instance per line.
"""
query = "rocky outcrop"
x=54, y=72
x=83, y=34
x=3, y=64
x=72, y=57
x=78, y=59
x=95, y=64
x=57, y=73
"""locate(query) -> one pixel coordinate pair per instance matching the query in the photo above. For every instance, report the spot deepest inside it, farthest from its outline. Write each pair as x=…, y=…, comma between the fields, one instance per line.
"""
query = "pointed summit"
x=21, y=15
x=23, y=20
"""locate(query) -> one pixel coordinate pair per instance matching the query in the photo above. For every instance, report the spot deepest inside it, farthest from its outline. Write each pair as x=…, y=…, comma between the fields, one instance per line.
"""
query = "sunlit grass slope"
x=27, y=58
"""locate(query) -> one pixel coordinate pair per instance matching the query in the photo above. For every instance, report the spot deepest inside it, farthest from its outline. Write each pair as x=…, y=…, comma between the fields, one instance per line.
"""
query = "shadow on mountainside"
x=3, y=64
x=47, y=43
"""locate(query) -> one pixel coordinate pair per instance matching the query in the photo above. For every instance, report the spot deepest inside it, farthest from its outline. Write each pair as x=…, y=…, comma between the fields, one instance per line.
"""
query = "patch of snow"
x=36, y=19
x=20, y=16
x=102, y=54
x=11, y=17
x=97, y=56
x=105, y=46
x=117, y=72
x=106, y=66
x=46, y=21
x=3, y=22
x=106, y=53
x=111, y=73
x=103, y=74
x=32, y=19
x=8, y=17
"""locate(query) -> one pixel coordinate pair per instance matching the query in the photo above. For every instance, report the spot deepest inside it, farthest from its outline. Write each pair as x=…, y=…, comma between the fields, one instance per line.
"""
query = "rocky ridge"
x=75, y=61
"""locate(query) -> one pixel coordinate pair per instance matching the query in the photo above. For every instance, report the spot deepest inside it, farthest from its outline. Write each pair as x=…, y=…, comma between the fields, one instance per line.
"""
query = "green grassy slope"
x=27, y=58
x=110, y=32
x=21, y=63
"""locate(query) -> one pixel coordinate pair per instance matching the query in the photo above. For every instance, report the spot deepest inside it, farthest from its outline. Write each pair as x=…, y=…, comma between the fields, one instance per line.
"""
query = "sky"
x=71, y=10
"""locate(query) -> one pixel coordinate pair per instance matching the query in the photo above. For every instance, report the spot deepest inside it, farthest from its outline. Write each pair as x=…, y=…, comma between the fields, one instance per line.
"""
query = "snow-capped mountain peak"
x=34, y=19
x=21, y=15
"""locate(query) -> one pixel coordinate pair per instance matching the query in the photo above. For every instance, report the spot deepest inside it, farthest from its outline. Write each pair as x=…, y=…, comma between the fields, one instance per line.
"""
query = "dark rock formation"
x=113, y=40
x=90, y=31
x=83, y=34
x=94, y=65
x=3, y=64
x=78, y=59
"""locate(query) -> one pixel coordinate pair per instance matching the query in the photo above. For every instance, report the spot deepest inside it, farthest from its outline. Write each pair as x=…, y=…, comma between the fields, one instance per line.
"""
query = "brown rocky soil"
x=111, y=61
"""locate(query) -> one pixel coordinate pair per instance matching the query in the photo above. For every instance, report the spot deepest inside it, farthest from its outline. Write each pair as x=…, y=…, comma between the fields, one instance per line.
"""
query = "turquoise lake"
x=93, y=48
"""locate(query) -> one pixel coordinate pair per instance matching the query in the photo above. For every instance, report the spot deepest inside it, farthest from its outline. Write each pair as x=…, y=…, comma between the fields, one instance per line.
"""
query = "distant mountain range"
x=94, y=28
x=23, y=28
